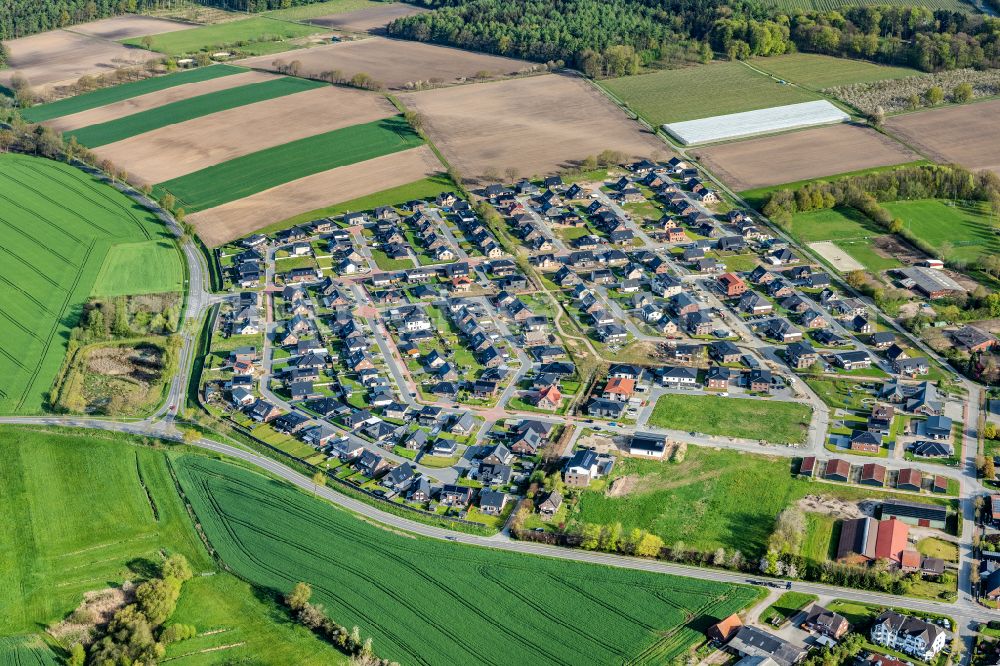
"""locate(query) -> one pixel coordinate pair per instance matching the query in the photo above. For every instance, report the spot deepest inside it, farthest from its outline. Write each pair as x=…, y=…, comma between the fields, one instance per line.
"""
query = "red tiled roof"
x=911, y=559
x=620, y=385
x=891, y=539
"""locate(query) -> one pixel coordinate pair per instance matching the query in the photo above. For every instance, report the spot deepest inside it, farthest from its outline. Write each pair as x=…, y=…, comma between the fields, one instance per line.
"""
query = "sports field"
x=821, y=71
x=58, y=226
x=701, y=91
x=420, y=600
x=243, y=176
x=769, y=420
x=966, y=226
x=188, y=109
x=105, y=96
x=81, y=512
x=252, y=36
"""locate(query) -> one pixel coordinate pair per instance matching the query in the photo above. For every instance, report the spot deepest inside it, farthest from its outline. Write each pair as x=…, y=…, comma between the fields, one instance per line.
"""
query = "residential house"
x=922, y=639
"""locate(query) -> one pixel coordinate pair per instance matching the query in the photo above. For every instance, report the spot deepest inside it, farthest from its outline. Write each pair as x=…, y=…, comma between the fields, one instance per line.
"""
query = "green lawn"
x=733, y=417
x=966, y=226
x=249, y=174
x=239, y=624
x=832, y=223
x=147, y=267
x=317, y=9
x=252, y=36
x=58, y=226
x=932, y=547
x=838, y=393
x=189, y=109
x=822, y=534
x=821, y=71
x=418, y=597
x=425, y=188
x=81, y=512
x=701, y=91
x=786, y=606
x=105, y=96
x=862, y=251
x=740, y=263
x=714, y=499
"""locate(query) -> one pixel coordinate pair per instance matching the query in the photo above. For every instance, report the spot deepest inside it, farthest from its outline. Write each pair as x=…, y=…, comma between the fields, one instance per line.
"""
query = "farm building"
x=751, y=123
x=915, y=513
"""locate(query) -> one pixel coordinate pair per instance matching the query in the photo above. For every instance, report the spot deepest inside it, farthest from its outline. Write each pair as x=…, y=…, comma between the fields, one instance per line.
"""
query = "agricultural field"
x=26, y=651
x=253, y=36
x=320, y=9
x=188, y=109
x=802, y=155
x=516, y=606
x=240, y=624
x=60, y=226
x=81, y=511
x=146, y=267
x=374, y=17
x=123, y=27
x=967, y=227
x=60, y=57
x=963, y=135
x=177, y=150
x=394, y=63
x=701, y=91
x=714, y=499
x=246, y=175
x=769, y=420
x=537, y=125
x=126, y=91
x=821, y=71
x=358, y=183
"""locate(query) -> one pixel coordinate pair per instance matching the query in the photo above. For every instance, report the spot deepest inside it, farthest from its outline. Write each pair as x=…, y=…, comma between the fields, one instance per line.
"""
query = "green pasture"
x=81, y=512
x=253, y=36
x=967, y=226
x=769, y=420
x=833, y=223
x=147, y=267
x=701, y=91
x=318, y=9
x=249, y=174
x=418, y=598
x=119, y=93
x=189, y=109
x=57, y=226
x=822, y=71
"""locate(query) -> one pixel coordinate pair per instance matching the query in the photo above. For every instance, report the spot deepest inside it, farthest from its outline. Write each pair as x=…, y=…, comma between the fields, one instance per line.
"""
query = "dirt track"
x=392, y=62
x=224, y=223
x=126, y=27
x=814, y=153
x=537, y=125
x=966, y=135
x=127, y=107
x=176, y=150
x=60, y=57
x=371, y=18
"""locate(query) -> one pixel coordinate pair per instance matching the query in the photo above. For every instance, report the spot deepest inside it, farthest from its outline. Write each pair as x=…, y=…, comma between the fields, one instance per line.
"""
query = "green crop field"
x=249, y=174
x=714, y=499
x=252, y=36
x=702, y=91
x=58, y=226
x=421, y=600
x=81, y=511
x=189, y=109
x=148, y=267
x=832, y=5
x=822, y=71
x=770, y=420
x=104, y=96
x=240, y=625
x=25, y=651
x=317, y=9
x=966, y=226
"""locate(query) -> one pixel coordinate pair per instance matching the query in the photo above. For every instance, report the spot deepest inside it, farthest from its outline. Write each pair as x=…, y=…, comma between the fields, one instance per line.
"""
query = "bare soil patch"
x=394, y=63
x=837, y=508
x=538, y=125
x=126, y=27
x=60, y=57
x=965, y=135
x=622, y=486
x=839, y=259
x=600, y=443
x=235, y=219
x=370, y=19
x=786, y=158
x=176, y=150
x=890, y=246
x=156, y=99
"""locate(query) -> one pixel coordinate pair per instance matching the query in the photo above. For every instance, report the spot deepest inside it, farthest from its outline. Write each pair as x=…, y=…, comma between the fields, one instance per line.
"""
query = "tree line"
x=19, y=19
x=616, y=37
